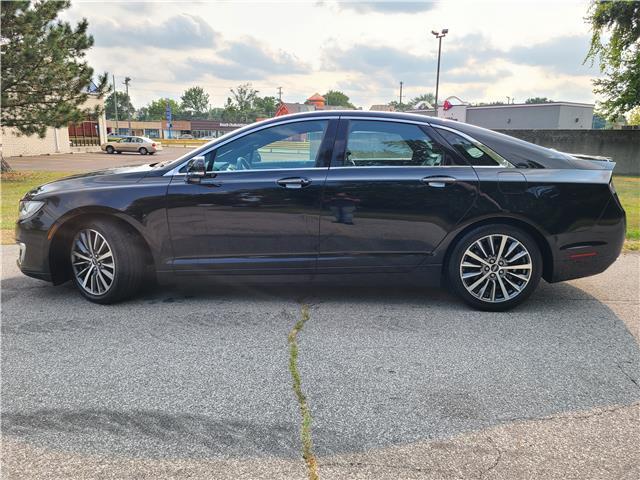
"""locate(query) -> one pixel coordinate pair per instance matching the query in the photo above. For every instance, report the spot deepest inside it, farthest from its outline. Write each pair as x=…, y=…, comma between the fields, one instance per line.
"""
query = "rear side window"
x=373, y=143
x=474, y=152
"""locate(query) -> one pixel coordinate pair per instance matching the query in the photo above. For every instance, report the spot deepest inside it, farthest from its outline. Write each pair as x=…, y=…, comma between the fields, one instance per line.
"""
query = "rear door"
x=258, y=209
x=392, y=194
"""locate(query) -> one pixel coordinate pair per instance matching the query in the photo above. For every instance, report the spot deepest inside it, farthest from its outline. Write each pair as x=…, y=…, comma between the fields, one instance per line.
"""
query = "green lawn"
x=628, y=189
x=16, y=184
x=13, y=186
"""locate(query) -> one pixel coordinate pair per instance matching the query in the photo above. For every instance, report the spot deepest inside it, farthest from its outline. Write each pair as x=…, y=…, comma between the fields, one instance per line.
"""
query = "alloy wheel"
x=93, y=262
x=496, y=268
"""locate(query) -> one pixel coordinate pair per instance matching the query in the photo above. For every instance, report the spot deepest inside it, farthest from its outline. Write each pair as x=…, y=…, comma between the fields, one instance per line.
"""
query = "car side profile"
x=337, y=196
x=141, y=145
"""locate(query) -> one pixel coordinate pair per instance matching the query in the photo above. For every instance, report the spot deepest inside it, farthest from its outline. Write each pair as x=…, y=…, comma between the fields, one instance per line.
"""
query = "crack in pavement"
x=627, y=362
x=305, y=430
x=496, y=461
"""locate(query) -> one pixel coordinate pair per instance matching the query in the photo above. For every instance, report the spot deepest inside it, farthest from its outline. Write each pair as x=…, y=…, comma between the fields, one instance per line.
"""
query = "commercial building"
x=314, y=102
x=82, y=136
x=160, y=128
x=536, y=116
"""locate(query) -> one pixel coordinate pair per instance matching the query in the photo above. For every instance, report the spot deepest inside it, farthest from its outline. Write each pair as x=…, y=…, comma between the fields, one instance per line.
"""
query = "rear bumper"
x=592, y=251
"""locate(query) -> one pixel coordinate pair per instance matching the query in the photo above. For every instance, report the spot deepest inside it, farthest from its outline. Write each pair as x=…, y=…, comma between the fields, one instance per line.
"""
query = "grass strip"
x=305, y=431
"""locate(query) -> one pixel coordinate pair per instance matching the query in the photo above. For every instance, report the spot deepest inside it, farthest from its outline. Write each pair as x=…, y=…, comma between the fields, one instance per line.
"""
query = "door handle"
x=294, y=182
x=438, y=181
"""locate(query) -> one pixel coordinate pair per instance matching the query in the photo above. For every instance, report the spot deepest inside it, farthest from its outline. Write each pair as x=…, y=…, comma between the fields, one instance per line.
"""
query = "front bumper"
x=33, y=257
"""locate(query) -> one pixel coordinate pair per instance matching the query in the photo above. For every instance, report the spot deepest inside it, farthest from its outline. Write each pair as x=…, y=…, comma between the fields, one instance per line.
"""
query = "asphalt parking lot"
x=85, y=162
x=400, y=383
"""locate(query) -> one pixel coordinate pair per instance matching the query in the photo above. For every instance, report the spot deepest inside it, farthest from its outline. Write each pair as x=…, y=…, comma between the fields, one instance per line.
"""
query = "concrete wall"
x=56, y=140
x=623, y=146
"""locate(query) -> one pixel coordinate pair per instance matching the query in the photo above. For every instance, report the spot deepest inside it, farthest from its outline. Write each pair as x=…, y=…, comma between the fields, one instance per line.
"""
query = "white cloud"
x=493, y=49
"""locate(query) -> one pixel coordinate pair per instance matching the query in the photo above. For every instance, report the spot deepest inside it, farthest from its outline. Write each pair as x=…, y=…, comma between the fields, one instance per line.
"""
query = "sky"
x=494, y=49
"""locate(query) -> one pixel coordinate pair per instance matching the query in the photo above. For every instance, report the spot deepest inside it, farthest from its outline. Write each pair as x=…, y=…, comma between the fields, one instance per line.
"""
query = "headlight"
x=29, y=208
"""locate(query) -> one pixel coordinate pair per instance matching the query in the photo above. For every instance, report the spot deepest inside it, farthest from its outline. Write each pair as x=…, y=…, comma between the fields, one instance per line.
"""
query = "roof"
x=298, y=107
x=546, y=104
x=316, y=97
x=515, y=150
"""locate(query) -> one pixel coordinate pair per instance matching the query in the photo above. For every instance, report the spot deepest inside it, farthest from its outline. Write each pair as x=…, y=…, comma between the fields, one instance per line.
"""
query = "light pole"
x=439, y=36
x=126, y=84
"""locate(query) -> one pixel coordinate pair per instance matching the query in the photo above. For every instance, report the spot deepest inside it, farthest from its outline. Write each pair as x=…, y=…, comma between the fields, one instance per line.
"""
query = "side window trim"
x=499, y=159
x=342, y=134
x=323, y=156
x=332, y=123
x=175, y=171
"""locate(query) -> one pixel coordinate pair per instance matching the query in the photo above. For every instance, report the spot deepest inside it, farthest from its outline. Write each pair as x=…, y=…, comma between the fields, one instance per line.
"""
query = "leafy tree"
x=337, y=98
x=534, y=100
x=240, y=106
x=45, y=78
x=156, y=110
x=125, y=108
x=399, y=108
x=265, y=106
x=633, y=117
x=195, y=101
x=215, y=113
x=429, y=98
x=615, y=27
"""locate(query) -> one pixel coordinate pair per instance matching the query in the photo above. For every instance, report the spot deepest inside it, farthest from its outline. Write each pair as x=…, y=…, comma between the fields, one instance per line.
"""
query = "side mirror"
x=196, y=170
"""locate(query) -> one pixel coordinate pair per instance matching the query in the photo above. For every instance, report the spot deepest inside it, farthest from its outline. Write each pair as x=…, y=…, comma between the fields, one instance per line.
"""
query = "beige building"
x=85, y=136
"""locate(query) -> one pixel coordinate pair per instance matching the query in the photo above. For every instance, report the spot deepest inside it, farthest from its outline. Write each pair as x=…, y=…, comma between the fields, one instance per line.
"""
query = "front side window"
x=373, y=143
x=293, y=145
x=475, y=153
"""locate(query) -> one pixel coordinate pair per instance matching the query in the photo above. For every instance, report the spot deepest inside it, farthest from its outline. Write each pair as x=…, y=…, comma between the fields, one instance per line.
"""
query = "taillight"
x=153, y=144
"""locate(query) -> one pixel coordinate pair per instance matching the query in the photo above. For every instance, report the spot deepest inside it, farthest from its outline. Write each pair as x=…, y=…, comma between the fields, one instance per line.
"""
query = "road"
x=195, y=383
x=86, y=162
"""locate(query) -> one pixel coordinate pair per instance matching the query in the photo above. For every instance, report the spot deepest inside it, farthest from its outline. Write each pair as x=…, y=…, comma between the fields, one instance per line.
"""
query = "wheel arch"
x=61, y=235
x=534, y=231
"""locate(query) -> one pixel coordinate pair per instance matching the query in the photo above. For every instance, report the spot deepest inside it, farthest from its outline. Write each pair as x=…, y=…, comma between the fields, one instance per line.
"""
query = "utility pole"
x=279, y=94
x=115, y=102
x=401, y=83
x=126, y=84
x=439, y=36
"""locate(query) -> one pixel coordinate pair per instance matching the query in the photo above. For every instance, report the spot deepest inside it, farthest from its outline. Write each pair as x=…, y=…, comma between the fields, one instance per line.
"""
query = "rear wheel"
x=106, y=262
x=110, y=149
x=143, y=151
x=495, y=267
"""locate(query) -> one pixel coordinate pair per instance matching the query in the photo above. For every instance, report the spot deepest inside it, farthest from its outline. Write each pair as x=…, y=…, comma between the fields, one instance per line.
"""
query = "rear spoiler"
x=600, y=162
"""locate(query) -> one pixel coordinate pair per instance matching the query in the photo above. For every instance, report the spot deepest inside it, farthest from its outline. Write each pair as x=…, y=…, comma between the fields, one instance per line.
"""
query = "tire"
x=91, y=265
x=143, y=151
x=486, y=283
x=110, y=149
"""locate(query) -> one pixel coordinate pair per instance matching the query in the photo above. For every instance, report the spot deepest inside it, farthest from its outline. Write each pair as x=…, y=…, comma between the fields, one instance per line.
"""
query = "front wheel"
x=495, y=267
x=106, y=262
x=110, y=149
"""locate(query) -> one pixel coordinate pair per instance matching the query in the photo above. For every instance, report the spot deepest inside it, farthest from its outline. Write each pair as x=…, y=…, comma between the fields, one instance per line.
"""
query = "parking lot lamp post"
x=439, y=36
x=126, y=84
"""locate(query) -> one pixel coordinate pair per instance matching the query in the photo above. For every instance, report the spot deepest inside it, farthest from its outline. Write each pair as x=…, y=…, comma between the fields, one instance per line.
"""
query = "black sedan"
x=344, y=197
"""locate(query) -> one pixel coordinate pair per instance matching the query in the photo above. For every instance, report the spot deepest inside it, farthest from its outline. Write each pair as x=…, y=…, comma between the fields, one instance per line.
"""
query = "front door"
x=258, y=208
x=392, y=194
